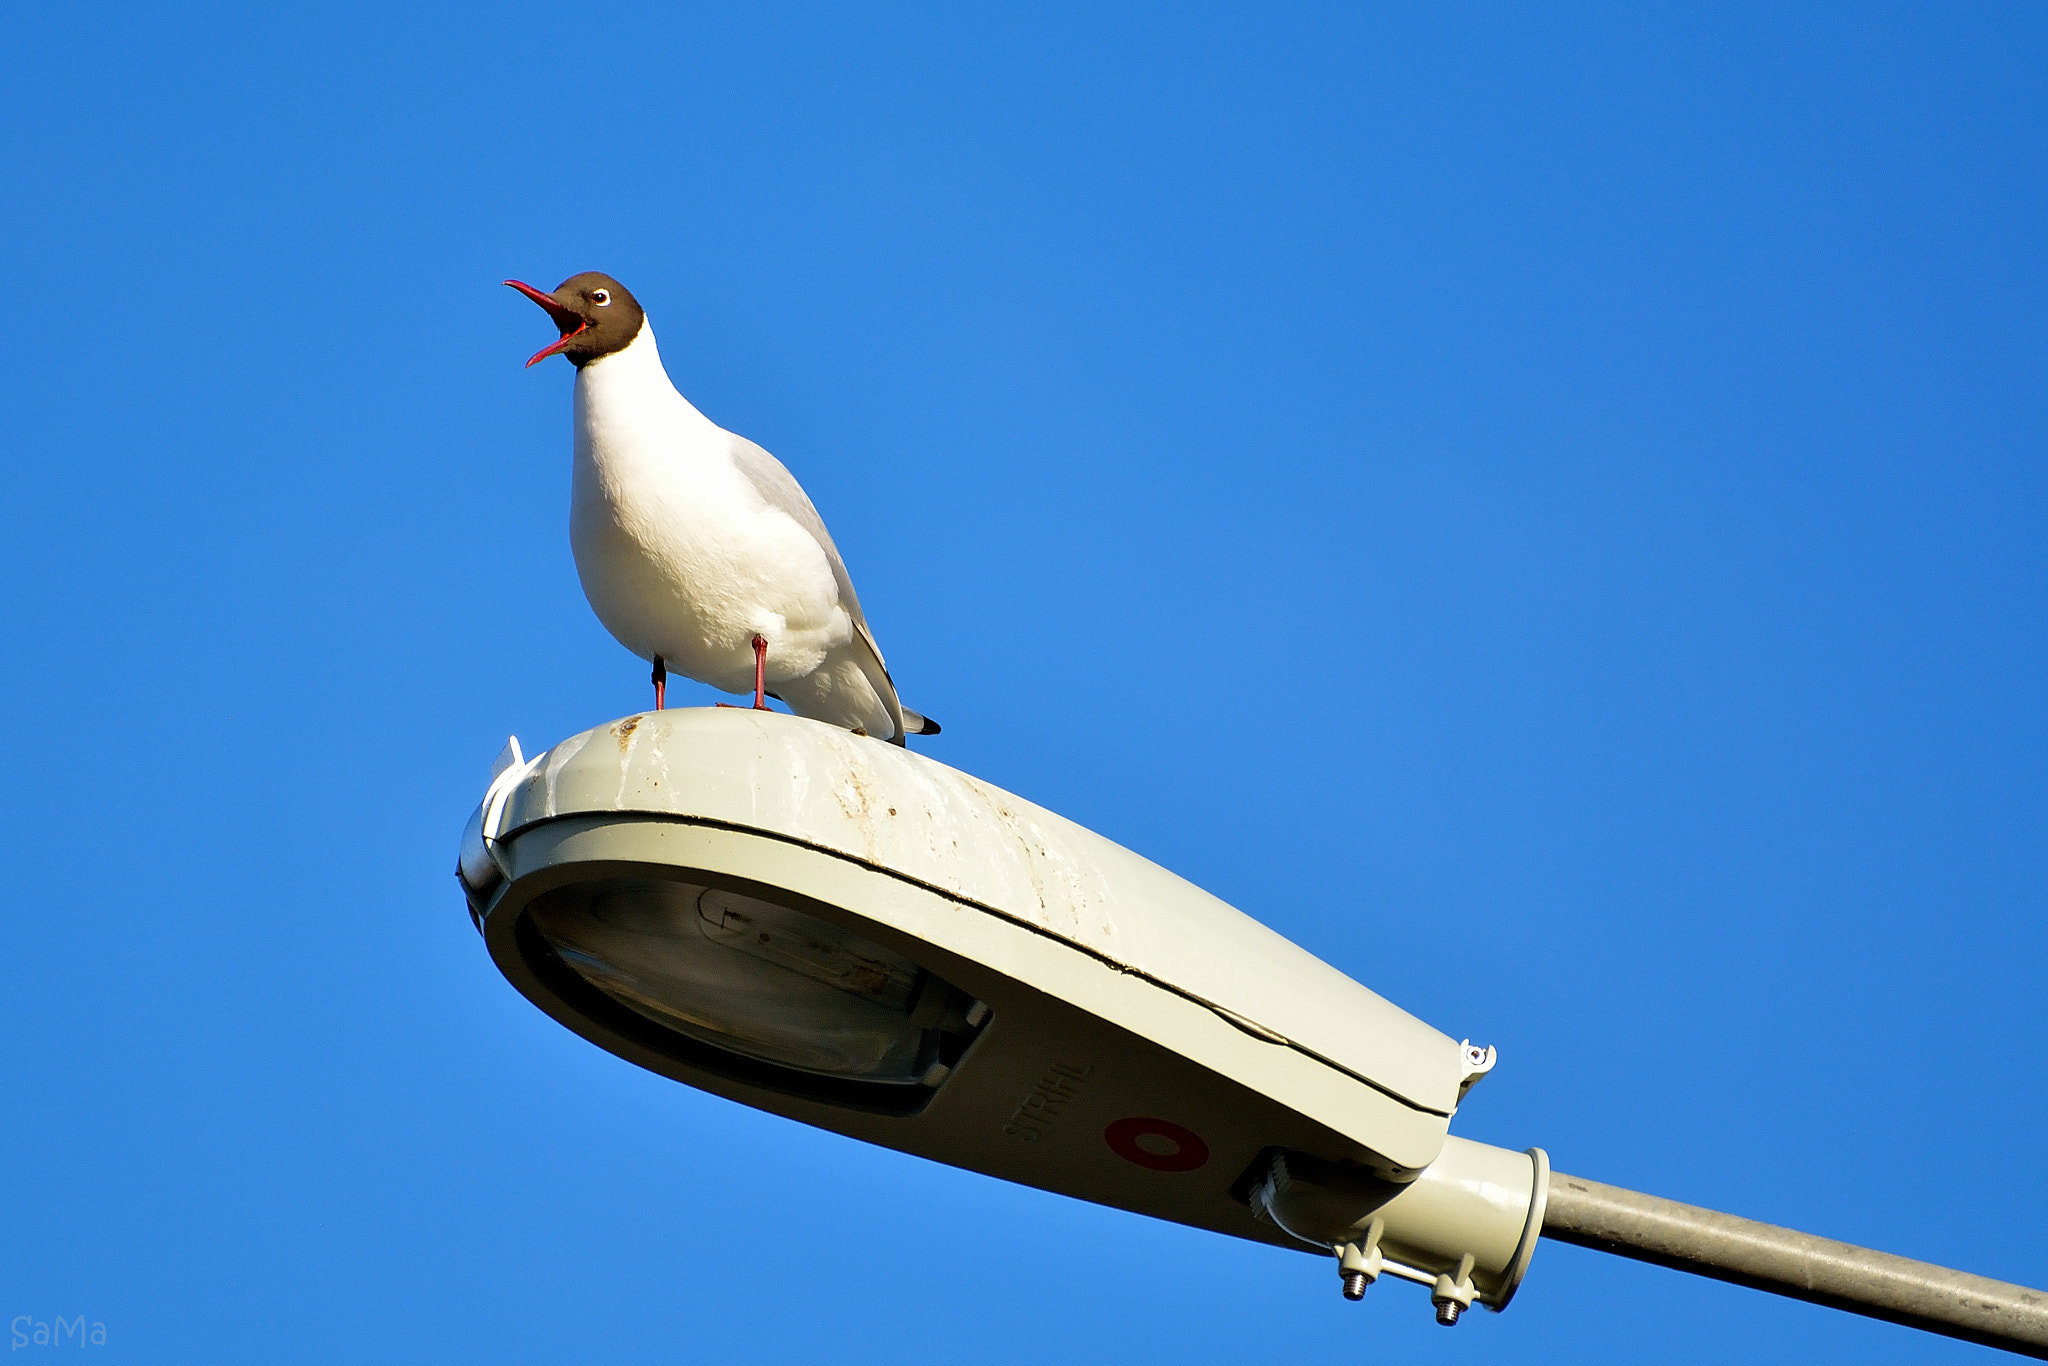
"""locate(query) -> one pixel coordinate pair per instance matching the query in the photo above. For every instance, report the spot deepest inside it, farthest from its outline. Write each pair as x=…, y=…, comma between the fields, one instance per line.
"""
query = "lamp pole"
x=1786, y=1262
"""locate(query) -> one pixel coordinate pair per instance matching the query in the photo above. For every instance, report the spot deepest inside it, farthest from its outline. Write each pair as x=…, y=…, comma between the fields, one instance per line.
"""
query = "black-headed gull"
x=696, y=548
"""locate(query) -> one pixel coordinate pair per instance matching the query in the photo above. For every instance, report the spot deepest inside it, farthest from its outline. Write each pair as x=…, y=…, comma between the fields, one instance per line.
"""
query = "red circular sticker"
x=1159, y=1144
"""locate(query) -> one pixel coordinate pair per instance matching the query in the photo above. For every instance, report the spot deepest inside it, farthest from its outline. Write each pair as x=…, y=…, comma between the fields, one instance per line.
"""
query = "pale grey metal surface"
x=826, y=788
x=1787, y=1262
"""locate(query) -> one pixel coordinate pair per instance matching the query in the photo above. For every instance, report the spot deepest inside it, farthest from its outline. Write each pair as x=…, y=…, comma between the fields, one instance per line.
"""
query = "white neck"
x=630, y=421
x=632, y=377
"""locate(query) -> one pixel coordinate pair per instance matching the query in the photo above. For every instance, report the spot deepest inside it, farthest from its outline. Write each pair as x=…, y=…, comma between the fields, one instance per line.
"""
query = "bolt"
x=1356, y=1283
x=1447, y=1312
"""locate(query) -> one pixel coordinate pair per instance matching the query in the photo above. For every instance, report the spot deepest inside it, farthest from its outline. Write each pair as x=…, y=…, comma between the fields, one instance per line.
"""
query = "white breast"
x=678, y=553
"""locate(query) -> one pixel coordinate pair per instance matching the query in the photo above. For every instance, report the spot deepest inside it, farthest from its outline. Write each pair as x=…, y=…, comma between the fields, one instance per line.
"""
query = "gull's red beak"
x=568, y=319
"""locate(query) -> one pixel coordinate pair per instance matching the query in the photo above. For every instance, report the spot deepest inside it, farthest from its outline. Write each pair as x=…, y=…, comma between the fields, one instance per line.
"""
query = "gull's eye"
x=601, y=297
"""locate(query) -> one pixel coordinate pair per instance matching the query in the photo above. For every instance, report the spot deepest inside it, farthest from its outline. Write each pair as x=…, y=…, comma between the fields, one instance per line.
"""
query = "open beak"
x=569, y=320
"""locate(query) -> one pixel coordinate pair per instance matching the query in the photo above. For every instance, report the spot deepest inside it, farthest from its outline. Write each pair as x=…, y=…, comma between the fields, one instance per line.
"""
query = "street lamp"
x=855, y=936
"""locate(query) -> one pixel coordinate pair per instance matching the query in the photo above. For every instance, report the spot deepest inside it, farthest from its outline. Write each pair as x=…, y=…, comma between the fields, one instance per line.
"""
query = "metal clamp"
x=1360, y=1263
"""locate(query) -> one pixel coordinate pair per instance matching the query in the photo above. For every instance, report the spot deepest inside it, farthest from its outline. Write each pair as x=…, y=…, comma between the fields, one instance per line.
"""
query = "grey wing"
x=779, y=489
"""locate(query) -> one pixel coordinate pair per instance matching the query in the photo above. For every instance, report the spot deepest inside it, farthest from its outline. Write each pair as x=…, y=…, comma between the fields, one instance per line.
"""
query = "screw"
x=1356, y=1283
x=1447, y=1312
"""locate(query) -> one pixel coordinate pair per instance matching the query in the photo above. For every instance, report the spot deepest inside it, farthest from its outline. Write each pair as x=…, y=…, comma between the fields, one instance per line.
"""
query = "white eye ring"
x=601, y=297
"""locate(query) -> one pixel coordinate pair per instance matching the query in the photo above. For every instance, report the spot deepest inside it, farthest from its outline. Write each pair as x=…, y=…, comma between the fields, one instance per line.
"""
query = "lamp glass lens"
x=750, y=976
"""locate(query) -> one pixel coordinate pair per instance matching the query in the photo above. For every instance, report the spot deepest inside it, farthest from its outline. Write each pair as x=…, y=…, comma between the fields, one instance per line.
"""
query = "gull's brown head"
x=595, y=314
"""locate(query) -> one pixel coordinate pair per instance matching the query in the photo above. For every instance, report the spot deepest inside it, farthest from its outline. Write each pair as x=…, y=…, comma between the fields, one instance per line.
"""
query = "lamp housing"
x=855, y=936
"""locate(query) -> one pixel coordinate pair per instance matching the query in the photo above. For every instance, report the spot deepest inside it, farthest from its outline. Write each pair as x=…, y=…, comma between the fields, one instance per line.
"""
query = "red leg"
x=660, y=682
x=760, y=674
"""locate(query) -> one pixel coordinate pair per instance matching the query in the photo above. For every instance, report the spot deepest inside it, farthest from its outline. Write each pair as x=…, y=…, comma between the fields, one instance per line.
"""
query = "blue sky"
x=1544, y=508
